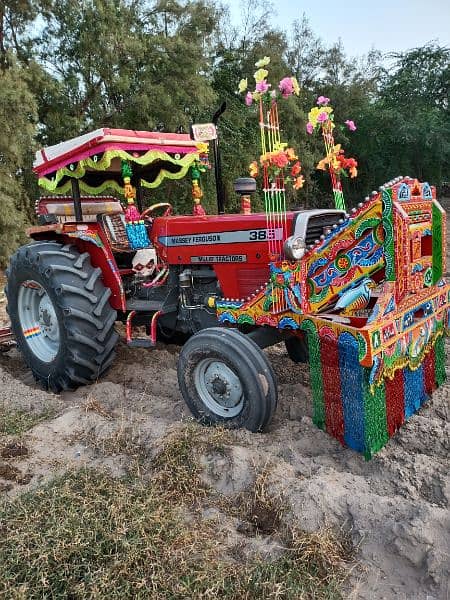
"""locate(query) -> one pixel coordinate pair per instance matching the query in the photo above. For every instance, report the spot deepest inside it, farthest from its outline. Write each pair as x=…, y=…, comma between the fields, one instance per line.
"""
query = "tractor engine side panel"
x=236, y=246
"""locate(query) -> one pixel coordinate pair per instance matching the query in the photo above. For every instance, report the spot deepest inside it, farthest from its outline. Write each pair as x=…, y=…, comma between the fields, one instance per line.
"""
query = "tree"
x=17, y=115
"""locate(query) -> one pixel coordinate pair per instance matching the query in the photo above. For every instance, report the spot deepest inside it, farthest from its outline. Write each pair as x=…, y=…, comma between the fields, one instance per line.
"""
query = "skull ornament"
x=144, y=262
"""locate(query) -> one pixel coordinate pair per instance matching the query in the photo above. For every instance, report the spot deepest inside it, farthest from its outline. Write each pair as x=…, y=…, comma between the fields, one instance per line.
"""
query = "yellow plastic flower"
x=290, y=153
x=313, y=114
x=263, y=62
x=260, y=75
x=253, y=169
x=243, y=84
x=330, y=159
x=202, y=147
x=256, y=96
x=295, y=86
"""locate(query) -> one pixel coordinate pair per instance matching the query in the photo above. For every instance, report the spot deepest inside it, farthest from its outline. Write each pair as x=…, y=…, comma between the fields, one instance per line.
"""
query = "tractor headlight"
x=294, y=248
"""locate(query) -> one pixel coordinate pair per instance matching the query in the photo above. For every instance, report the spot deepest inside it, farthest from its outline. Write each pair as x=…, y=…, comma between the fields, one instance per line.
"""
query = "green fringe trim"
x=51, y=185
x=315, y=368
x=375, y=420
x=439, y=360
x=436, y=227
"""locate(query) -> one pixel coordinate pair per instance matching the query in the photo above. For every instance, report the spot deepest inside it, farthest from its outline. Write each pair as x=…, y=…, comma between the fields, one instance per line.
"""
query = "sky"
x=386, y=25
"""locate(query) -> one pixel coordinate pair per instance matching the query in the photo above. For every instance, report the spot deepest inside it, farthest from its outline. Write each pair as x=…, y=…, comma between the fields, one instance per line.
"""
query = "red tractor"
x=363, y=294
x=80, y=274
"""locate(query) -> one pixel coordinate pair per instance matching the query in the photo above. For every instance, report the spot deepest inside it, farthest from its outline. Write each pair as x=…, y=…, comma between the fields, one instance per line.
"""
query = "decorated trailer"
x=360, y=295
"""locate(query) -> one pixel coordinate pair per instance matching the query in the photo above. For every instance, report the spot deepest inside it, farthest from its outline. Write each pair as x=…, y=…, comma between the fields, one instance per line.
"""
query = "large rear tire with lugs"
x=226, y=379
x=60, y=315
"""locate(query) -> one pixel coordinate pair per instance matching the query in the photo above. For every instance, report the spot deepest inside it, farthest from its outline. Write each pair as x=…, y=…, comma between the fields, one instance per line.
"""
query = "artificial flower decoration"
x=321, y=117
x=243, y=85
x=290, y=153
x=296, y=86
x=278, y=164
x=336, y=160
x=262, y=86
x=279, y=159
x=264, y=90
x=253, y=169
x=202, y=147
x=299, y=182
x=296, y=168
x=289, y=86
x=286, y=87
x=313, y=115
x=263, y=62
x=260, y=75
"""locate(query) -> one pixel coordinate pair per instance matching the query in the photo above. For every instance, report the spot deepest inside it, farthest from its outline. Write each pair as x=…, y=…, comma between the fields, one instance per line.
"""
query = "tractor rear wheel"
x=225, y=378
x=60, y=315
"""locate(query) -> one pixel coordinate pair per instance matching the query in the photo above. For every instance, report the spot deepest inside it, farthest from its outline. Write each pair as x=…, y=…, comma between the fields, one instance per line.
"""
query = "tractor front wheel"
x=60, y=315
x=225, y=378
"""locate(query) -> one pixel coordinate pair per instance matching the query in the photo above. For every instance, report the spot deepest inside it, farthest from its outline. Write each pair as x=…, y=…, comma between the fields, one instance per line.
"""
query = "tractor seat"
x=62, y=207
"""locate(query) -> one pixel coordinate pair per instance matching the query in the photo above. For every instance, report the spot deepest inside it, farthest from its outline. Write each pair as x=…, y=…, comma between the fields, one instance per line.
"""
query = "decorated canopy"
x=95, y=159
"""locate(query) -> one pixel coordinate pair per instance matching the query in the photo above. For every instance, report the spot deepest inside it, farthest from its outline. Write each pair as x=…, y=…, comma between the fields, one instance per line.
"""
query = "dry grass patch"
x=126, y=439
x=176, y=466
x=17, y=422
x=86, y=535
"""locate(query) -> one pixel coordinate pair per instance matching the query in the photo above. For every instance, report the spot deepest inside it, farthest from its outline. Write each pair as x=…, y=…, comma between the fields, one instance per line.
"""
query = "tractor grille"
x=251, y=279
x=316, y=225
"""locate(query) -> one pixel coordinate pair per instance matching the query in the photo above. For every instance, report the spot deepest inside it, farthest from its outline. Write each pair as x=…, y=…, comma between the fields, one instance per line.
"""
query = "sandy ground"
x=395, y=507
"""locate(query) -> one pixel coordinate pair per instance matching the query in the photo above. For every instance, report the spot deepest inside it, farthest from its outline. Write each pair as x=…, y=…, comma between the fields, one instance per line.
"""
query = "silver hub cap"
x=38, y=320
x=219, y=388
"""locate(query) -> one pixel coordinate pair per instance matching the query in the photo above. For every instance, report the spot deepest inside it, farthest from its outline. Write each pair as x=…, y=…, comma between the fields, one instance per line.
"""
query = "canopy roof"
x=95, y=159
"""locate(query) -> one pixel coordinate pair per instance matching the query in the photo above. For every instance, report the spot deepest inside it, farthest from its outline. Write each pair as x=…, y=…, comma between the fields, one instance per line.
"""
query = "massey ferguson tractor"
x=359, y=295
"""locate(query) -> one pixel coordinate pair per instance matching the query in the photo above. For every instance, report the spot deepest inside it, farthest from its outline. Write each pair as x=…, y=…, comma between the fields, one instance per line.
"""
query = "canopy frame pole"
x=76, y=197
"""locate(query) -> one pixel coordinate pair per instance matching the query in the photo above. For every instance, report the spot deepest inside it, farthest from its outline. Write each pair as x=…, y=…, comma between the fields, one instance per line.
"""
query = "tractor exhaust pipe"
x=217, y=163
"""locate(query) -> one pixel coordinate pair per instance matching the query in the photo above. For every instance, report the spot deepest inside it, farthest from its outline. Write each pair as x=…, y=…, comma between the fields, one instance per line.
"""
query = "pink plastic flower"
x=286, y=87
x=322, y=117
x=262, y=86
x=309, y=128
x=248, y=99
x=322, y=100
x=350, y=125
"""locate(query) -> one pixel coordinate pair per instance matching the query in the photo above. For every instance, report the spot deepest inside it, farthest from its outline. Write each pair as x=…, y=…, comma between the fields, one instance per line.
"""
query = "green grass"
x=16, y=422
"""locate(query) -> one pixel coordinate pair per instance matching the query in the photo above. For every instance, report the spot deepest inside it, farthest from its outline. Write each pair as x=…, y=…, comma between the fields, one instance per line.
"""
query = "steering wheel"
x=147, y=213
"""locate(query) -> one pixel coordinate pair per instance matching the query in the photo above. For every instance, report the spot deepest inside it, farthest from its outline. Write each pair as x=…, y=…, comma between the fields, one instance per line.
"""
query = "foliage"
x=16, y=141
x=68, y=67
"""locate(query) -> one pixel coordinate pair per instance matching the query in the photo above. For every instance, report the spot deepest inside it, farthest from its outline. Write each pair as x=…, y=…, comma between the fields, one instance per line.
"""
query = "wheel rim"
x=38, y=320
x=219, y=388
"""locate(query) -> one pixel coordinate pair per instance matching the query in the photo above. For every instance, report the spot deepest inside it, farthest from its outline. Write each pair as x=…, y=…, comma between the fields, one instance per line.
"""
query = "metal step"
x=140, y=343
x=144, y=305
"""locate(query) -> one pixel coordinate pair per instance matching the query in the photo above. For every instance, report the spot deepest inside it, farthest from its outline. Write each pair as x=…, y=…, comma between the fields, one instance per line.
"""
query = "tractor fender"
x=91, y=240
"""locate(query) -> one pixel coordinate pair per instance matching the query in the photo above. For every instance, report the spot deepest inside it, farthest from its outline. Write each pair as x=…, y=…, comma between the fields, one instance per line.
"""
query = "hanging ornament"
x=134, y=225
x=197, y=193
